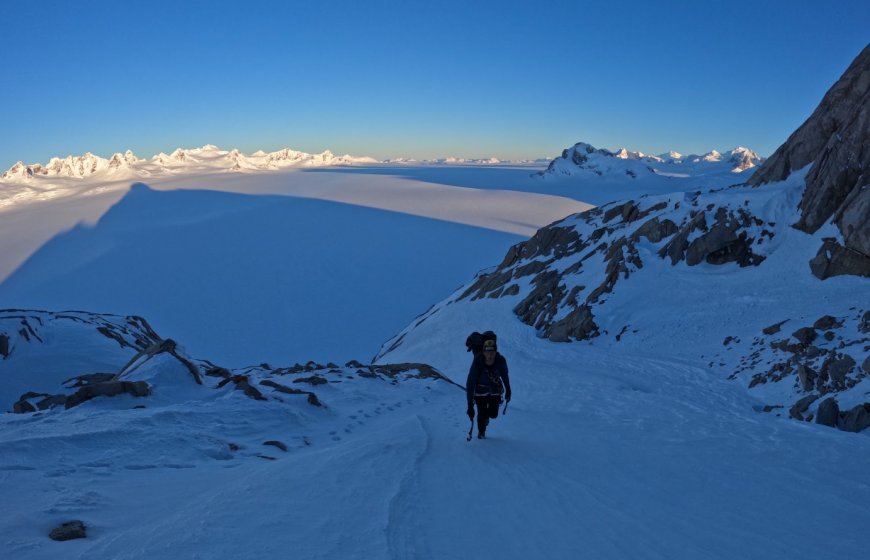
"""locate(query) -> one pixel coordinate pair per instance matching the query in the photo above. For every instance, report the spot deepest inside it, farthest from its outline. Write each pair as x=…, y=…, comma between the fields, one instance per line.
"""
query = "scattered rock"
x=828, y=413
x=312, y=398
x=807, y=377
x=107, y=389
x=773, y=329
x=242, y=383
x=313, y=380
x=805, y=335
x=827, y=323
x=856, y=419
x=67, y=531
x=797, y=410
x=838, y=367
x=835, y=260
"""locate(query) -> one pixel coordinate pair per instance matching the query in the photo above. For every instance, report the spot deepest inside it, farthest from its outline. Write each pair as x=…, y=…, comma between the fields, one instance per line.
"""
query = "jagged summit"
x=835, y=142
x=583, y=158
x=206, y=158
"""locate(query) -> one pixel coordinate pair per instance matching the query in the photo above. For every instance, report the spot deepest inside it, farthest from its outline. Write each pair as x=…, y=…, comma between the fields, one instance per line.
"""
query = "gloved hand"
x=507, y=396
x=470, y=411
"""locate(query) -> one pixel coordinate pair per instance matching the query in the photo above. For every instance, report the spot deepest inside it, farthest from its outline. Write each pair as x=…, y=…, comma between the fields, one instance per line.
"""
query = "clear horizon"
x=401, y=80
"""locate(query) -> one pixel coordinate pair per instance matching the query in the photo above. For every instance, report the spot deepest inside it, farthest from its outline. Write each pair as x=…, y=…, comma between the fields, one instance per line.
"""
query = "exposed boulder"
x=579, y=324
x=828, y=413
x=838, y=367
x=856, y=419
x=805, y=335
x=797, y=410
x=70, y=530
x=835, y=260
x=827, y=322
x=807, y=377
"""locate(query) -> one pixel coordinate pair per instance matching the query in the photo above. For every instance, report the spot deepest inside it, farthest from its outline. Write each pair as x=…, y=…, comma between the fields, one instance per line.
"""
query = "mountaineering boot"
x=481, y=435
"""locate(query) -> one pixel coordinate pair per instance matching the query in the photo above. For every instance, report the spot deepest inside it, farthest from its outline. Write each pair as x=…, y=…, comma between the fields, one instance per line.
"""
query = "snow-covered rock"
x=834, y=143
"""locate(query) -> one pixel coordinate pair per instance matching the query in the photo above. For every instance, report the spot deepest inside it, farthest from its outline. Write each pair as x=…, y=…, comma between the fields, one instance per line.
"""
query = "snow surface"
x=331, y=245
x=630, y=449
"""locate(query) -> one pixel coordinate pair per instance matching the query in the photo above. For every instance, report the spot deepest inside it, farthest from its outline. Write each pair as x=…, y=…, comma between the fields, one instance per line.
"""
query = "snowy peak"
x=205, y=158
x=79, y=167
x=583, y=159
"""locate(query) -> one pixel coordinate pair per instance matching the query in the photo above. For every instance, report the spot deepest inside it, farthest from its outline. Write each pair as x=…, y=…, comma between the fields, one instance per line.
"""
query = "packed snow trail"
x=620, y=456
x=632, y=473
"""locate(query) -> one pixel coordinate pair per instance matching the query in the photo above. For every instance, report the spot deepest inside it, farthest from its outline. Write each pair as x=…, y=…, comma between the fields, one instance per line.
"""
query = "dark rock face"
x=70, y=530
x=856, y=419
x=4, y=346
x=835, y=260
x=836, y=141
x=828, y=413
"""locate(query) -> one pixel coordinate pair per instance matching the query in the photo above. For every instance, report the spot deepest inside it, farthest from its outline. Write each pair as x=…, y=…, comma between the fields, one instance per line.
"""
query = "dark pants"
x=487, y=407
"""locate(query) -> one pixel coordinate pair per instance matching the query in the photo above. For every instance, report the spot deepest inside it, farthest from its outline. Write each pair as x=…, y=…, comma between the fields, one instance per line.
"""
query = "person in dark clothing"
x=487, y=381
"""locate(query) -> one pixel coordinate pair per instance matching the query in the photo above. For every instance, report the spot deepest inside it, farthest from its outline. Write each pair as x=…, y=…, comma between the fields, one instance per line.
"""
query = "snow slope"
x=331, y=247
x=631, y=444
x=601, y=453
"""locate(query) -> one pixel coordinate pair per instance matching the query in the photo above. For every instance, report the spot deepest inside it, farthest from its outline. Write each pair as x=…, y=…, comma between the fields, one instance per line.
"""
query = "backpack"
x=474, y=342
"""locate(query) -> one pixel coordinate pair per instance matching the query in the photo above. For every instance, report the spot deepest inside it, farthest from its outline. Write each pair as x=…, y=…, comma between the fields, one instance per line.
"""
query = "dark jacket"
x=487, y=380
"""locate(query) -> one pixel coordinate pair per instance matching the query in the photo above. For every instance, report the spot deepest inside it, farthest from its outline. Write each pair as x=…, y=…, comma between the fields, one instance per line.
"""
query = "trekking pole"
x=471, y=429
x=505, y=408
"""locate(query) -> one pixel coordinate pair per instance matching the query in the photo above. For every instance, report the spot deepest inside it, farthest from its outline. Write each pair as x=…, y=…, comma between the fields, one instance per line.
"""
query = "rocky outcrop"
x=107, y=389
x=835, y=141
x=570, y=266
x=819, y=361
x=856, y=419
x=70, y=530
x=828, y=413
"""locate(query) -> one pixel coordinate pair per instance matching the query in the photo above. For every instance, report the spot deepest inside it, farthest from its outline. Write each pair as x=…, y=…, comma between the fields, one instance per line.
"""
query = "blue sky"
x=416, y=79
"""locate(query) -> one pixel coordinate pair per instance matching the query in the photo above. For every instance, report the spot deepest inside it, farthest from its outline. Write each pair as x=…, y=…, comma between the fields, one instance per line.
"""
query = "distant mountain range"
x=207, y=157
x=211, y=158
